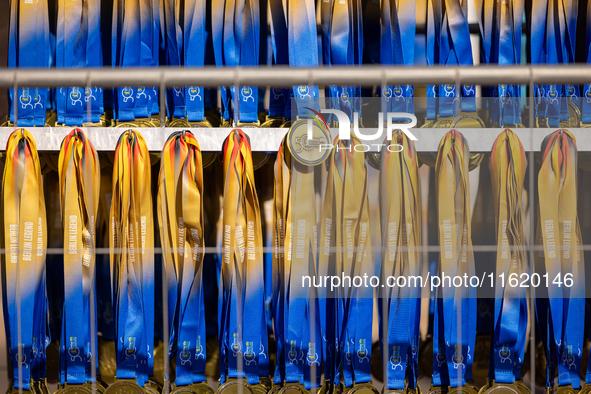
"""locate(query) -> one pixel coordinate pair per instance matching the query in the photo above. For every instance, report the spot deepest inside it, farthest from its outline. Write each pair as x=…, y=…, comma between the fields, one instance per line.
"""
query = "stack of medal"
x=500, y=34
x=132, y=265
x=25, y=239
x=75, y=105
x=561, y=309
x=79, y=184
x=242, y=326
x=455, y=308
x=508, y=339
x=180, y=217
x=399, y=307
x=135, y=43
x=29, y=46
x=296, y=308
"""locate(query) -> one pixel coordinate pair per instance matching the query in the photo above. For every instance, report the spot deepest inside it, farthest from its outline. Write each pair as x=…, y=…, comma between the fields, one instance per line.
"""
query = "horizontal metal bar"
x=286, y=76
x=269, y=139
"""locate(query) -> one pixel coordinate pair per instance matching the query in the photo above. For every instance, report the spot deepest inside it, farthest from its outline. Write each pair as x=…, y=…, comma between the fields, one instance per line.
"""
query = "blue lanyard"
x=147, y=31
x=397, y=47
x=279, y=98
x=175, y=97
x=303, y=51
x=432, y=50
x=218, y=22
x=586, y=97
x=126, y=44
x=29, y=47
x=194, y=39
x=455, y=49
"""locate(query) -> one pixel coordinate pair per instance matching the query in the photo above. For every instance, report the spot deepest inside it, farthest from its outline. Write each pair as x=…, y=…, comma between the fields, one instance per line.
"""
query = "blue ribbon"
x=194, y=55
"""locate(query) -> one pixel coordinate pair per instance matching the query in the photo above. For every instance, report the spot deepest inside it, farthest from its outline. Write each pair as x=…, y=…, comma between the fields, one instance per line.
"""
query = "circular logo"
x=306, y=150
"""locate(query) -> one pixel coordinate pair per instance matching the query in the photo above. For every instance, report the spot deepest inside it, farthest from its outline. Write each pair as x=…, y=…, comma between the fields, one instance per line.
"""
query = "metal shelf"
x=281, y=76
x=268, y=139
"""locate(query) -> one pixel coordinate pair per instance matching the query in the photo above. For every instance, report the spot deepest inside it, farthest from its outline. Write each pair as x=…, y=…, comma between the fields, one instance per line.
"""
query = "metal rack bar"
x=285, y=76
x=269, y=139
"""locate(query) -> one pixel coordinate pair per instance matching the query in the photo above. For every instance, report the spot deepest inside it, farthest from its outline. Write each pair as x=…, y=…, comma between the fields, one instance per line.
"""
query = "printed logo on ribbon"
x=441, y=358
x=553, y=94
x=127, y=94
x=249, y=356
x=505, y=354
x=387, y=93
x=398, y=93
x=312, y=356
x=569, y=358
x=88, y=94
x=236, y=346
x=74, y=350
x=20, y=356
x=185, y=354
x=194, y=92
x=396, y=358
x=246, y=93
x=458, y=358
x=131, y=349
x=141, y=92
x=362, y=353
x=304, y=91
x=292, y=355
x=449, y=90
x=75, y=96
x=199, y=349
x=25, y=99
x=262, y=351
x=277, y=93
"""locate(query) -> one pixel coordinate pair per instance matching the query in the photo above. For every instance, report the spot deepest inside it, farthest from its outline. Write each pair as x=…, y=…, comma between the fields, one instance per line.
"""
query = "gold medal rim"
x=501, y=386
x=469, y=389
x=363, y=386
x=179, y=123
x=291, y=386
x=275, y=390
x=132, y=384
x=233, y=382
x=259, y=388
x=201, y=387
x=437, y=389
x=290, y=143
x=586, y=389
x=74, y=388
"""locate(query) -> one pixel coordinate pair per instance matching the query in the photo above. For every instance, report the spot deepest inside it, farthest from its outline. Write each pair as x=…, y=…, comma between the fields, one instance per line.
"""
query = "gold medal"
x=287, y=124
x=179, y=123
x=362, y=388
x=467, y=389
x=145, y=122
x=74, y=389
x=308, y=151
x=42, y=387
x=500, y=388
x=127, y=125
x=277, y=389
x=259, y=389
x=152, y=387
x=438, y=390
x=14, y=390
x=293, y=388
x=405, y=390
x=273, y=122
x=232, y=386
x=565, y=390
x=266, y=382
x=125, y=386
x=183, y=390
x=586, y=389
x=201, y=388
